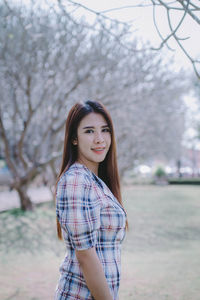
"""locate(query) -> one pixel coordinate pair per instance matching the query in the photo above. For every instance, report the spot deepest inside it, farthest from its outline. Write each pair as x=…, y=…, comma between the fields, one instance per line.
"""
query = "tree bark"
x=25, y=201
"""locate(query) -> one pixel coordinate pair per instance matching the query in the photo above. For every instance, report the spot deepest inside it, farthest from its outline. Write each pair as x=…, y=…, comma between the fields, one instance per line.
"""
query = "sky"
x=142, y=25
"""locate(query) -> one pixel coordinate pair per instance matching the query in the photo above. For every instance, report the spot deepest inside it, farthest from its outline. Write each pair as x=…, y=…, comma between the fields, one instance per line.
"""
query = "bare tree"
x=48, y=62
x=145, y=99
x=180, y=8
x=44, y=59
x=196, y=88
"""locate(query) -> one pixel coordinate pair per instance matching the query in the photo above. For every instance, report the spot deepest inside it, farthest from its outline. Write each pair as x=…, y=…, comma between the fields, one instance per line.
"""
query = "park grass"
x=160, y=255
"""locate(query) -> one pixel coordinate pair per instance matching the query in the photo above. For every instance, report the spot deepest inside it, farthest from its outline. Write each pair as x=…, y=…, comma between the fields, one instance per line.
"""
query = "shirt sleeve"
x=78, y=210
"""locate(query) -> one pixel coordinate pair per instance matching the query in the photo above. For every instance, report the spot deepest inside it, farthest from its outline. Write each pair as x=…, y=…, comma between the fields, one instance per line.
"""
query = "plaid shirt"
x=90, y=216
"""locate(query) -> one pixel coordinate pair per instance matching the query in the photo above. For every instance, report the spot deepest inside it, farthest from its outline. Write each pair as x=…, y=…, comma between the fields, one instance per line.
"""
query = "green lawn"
x=160, y=257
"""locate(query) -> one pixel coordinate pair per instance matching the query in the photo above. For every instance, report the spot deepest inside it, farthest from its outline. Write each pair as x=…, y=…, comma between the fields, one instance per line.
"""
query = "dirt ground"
x=174, y=275
x=160, y=256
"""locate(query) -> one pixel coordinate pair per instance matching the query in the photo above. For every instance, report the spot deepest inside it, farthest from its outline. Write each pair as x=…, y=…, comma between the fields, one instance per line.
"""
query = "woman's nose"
x=99, y=137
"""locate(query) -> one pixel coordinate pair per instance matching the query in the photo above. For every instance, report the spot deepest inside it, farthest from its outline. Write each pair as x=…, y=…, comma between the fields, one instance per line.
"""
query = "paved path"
x=10, y=199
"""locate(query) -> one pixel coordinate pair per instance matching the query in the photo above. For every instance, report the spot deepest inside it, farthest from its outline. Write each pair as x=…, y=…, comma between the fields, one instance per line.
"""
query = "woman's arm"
x=94, y=274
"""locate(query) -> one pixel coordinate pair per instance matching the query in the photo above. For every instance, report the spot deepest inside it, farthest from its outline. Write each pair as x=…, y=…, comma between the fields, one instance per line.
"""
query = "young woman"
x=90, y=214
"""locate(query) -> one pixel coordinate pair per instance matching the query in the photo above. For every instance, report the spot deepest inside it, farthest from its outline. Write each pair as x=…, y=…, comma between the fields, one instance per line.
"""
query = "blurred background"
x=142, y=60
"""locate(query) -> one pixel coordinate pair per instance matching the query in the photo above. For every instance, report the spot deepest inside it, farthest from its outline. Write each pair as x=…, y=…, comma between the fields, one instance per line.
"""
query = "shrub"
x=160, y=172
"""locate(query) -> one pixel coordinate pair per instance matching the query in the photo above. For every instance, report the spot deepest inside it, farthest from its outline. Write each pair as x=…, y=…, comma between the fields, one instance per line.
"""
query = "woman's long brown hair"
x=108, y=170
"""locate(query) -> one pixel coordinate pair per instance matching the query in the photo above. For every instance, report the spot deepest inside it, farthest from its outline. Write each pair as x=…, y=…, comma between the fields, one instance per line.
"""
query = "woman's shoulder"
x=76, y=174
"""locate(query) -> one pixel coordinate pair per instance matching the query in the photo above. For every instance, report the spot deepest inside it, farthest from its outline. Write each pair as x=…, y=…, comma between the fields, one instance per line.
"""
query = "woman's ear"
x=75, y=142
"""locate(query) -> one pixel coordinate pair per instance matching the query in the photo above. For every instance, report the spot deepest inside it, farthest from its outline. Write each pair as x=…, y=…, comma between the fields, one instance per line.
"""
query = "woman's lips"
x=98, y=150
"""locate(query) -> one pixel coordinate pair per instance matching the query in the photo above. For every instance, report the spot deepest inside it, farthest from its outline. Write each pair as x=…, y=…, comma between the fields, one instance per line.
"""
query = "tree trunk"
x=25, y=201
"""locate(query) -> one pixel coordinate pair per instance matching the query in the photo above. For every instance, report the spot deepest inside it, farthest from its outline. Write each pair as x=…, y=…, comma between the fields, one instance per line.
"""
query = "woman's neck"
x=93, y=167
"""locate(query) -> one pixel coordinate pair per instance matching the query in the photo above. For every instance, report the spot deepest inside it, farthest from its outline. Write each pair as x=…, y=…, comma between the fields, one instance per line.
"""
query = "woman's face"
x=93, y=140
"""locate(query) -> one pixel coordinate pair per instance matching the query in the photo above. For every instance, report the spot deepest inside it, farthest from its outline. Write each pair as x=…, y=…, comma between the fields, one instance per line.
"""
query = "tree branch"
x=7, y=147
x=26, y=124
x=188, y=11
x=164, y=41
x=172, y=31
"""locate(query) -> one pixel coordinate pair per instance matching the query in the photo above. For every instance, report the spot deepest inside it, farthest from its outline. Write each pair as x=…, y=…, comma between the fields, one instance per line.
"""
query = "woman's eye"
x=106, y=130
x=89, y=131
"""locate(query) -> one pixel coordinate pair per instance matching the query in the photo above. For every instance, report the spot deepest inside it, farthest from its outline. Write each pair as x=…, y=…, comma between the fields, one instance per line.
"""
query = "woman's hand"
x=93, y=273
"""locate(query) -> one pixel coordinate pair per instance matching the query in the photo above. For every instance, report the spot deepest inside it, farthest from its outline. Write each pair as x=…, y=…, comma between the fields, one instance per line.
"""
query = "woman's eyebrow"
x=87, y=127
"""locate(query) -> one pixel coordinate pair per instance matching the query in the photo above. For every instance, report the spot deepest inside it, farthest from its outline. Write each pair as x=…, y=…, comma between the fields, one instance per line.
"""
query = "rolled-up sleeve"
x=78, y=210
